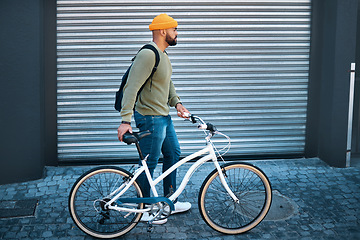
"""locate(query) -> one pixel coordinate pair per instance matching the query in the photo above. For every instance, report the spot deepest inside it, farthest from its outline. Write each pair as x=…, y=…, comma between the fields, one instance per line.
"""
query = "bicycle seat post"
x=139, y=150
x=135, y=137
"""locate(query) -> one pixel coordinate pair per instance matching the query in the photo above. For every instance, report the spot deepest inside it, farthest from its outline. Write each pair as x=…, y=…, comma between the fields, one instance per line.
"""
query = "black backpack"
x=119, y=93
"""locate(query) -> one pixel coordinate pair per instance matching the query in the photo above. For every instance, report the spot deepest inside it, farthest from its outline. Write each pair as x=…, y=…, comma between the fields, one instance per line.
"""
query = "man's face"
x=171, y=36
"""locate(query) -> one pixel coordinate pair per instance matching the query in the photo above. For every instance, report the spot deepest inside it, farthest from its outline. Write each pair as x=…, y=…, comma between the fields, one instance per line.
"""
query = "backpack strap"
x=157, y=60
x=157, y=57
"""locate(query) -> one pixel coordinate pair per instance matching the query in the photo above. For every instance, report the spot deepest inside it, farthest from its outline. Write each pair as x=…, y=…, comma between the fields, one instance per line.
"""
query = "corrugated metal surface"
x=242, y=65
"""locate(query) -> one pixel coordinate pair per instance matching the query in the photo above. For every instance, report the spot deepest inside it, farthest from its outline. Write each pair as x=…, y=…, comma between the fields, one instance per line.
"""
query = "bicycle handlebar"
x=204, y=126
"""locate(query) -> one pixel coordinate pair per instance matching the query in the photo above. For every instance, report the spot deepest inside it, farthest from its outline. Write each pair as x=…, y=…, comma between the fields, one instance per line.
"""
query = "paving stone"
x=328, y=201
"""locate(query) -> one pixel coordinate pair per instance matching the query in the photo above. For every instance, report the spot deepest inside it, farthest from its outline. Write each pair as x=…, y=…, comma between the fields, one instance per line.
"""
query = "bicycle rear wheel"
x=89, y=195
x=251, y=187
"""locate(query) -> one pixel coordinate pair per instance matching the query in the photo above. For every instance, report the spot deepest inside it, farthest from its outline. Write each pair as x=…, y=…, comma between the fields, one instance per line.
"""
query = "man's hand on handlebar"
x=182, y=111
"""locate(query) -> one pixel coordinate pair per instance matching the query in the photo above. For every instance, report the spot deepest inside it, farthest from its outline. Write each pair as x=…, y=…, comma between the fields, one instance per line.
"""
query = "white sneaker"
x=146, y=217
x=181, y=207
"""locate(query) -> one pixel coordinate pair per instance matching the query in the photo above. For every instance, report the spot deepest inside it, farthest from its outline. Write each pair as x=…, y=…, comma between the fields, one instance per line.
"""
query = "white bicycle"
x=108, y=202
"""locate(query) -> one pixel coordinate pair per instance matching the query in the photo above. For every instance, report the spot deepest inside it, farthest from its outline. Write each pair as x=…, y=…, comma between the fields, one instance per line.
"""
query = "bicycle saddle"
x=135, y=137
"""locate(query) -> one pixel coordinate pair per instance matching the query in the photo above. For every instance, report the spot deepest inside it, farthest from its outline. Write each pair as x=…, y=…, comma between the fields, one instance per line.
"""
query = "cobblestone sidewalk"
x=326, y=200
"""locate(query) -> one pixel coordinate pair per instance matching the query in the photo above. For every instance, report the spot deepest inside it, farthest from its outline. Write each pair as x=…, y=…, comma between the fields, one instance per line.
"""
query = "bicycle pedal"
x=150, y=228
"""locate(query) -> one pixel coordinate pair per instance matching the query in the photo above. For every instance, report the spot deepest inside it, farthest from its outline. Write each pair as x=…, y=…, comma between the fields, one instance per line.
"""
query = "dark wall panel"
x=332, y=52
x=21, y=91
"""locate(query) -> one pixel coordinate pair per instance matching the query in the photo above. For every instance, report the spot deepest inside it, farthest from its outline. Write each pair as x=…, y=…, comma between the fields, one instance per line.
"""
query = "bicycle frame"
x=210, y=155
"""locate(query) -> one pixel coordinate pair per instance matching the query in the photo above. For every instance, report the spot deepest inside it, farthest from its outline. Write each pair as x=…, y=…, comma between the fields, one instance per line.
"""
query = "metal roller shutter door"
x=242, y=65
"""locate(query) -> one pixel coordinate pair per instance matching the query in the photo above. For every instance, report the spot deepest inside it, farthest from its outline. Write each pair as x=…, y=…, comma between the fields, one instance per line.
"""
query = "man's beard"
x=171, y=41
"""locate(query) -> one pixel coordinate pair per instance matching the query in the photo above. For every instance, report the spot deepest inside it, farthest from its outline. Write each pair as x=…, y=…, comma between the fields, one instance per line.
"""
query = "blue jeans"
x=163, y=140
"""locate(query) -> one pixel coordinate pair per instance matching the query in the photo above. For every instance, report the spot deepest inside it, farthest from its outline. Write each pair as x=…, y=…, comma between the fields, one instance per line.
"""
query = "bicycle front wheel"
x=89, y=195
x=249, y=184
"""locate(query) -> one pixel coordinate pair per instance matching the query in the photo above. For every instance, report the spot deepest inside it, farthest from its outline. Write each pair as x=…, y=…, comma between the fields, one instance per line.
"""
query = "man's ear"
x=162, y=32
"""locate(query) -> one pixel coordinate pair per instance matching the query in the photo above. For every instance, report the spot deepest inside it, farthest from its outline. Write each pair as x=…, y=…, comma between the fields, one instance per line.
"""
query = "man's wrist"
x=176, y=105
x=125, y=122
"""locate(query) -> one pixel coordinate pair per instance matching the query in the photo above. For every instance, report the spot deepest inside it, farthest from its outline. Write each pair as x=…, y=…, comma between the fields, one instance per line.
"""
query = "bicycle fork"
x=222, y=177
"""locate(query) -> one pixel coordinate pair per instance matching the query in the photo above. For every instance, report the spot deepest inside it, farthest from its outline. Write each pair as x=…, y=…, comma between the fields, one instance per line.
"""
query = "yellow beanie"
x=162, y=21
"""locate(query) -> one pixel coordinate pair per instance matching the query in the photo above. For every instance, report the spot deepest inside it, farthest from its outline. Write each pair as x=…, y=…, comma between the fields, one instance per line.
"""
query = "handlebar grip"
x=211, y=127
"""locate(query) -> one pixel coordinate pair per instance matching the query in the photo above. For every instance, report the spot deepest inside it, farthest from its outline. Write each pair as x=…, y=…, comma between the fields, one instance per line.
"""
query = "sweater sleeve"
x=139, y=73
x=173, y=97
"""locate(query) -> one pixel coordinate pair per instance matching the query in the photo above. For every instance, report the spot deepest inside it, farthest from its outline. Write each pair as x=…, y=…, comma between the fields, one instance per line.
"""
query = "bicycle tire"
x=90, y=191
x=252, y=188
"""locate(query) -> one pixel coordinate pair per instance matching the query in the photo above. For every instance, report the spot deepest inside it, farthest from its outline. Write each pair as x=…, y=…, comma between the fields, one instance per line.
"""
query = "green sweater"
x=155, y=98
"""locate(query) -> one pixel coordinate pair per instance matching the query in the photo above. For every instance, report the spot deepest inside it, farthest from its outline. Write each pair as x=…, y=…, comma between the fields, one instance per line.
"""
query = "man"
x=153, y=105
